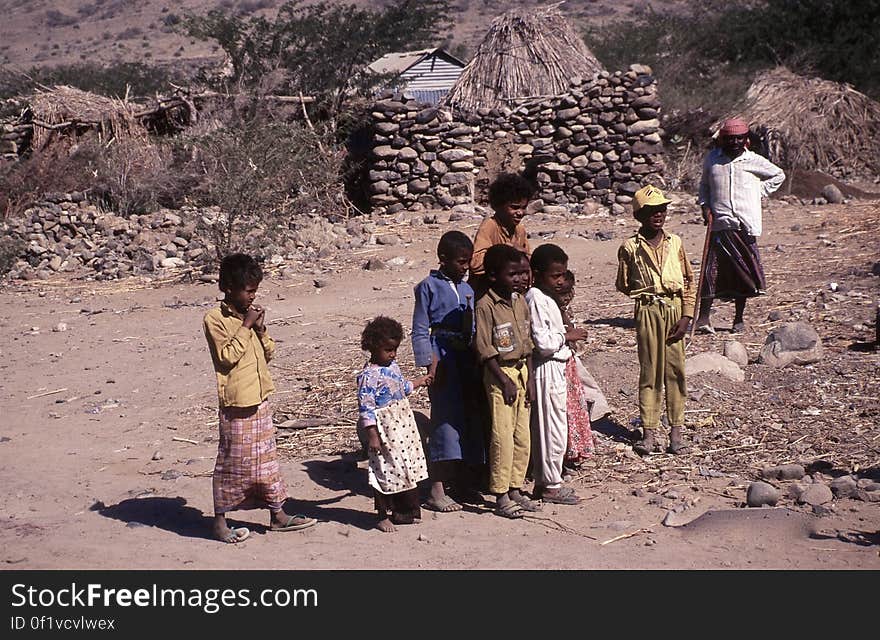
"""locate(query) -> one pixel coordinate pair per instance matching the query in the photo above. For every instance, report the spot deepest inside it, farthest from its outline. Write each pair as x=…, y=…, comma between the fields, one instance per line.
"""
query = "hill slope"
x=53, y=32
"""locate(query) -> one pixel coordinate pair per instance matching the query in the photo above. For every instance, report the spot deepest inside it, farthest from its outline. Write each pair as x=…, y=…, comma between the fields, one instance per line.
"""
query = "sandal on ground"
x=510, y=510
x=677, y=446
x=642, y=448
x=236, y=535
x=526, y=504
x=738, y=327
x=443, y=505
x=563, y=495
x=707, y=329
x=293, y=523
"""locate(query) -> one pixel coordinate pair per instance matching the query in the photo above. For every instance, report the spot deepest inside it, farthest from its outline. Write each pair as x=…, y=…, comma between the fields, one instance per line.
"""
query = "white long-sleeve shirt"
x=733, y=189
x=548, y=330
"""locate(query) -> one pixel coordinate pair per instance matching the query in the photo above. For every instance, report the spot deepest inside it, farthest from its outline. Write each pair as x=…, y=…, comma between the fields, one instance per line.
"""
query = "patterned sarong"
x=580, y=434
x=400, y=463
x=246, y=474
x=733, y=266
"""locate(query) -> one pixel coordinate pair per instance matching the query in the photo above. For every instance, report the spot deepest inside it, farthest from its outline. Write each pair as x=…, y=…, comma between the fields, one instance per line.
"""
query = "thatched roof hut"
x=524, y=54
x=64, y=108
x=820, y=125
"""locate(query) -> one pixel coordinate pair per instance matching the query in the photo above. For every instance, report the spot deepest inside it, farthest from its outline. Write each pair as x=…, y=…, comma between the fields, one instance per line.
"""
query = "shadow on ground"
x=625, y=322
x=170, y=514
x=614, y=430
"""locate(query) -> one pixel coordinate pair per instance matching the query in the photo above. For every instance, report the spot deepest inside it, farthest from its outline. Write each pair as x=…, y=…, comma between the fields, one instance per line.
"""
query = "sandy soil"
x=87, y=409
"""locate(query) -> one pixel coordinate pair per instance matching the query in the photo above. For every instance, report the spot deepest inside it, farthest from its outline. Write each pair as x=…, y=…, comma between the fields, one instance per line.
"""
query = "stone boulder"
x=815, y=494
x=710, y=362
x=784, y=472
x=791, y=343
x=761, y=494
x=737, y=352
x=832, y=194
x=844, y=487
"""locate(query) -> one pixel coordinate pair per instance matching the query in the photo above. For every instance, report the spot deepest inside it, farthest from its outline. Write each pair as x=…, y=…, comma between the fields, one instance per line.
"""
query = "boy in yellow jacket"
x=654, y=271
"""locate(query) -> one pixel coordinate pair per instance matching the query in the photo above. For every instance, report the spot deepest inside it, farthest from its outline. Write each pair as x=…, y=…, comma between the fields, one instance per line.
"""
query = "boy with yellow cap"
x=654, y=271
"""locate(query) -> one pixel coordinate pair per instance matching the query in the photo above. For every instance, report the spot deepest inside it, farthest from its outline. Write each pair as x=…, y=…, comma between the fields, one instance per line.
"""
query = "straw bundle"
x=823, y=125
x=524, y=54
x=64, y=108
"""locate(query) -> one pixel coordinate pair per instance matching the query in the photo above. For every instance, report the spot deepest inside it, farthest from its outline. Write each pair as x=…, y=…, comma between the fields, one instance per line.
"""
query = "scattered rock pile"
x=600, y=140
x=65, y=231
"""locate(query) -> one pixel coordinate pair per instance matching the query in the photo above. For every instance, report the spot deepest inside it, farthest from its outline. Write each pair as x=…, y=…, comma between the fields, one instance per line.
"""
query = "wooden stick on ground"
x=178, y=439
x=47, y=393
x=623, y=536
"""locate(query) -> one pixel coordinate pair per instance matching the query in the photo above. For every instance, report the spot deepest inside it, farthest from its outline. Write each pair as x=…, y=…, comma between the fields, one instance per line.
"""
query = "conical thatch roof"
x=823, y=125
x=524, y=54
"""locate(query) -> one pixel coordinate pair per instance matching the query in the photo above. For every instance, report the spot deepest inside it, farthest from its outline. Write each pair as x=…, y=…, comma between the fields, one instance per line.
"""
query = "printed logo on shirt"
x=503, y=337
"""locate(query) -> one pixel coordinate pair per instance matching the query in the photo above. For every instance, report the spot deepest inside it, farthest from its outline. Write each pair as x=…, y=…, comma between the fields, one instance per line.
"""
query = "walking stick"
x=701, y=277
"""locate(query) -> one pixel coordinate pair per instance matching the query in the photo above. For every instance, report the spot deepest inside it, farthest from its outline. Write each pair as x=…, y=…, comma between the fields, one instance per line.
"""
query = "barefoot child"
x=246, y=474
x=442, y=334
x=550, y=419
x=654, y=271
x=397, y=462
x=504, y=347
x=509, y=195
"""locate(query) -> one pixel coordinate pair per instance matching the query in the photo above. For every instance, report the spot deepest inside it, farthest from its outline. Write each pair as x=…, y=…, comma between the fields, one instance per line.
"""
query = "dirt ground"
x=109, y=431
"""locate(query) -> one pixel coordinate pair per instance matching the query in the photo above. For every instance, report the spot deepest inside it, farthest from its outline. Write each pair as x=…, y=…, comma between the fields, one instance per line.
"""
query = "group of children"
x=507, y=391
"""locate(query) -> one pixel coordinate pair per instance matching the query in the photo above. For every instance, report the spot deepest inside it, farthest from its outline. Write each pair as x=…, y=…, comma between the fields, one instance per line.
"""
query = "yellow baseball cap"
x=648, y=196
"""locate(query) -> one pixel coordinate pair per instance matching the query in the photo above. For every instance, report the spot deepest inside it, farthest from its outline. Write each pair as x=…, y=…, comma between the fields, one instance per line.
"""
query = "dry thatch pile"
x=524, y=54
x=822, y=125
x=63, y=108
x=67, y=110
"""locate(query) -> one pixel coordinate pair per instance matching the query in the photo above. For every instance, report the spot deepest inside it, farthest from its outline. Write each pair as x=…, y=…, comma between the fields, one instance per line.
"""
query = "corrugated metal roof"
x=430, y=73
x=426, y=96
x=400, y=61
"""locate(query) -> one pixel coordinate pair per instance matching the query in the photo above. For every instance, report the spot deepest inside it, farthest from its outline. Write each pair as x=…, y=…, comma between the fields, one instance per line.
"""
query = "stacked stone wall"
x=600, y=141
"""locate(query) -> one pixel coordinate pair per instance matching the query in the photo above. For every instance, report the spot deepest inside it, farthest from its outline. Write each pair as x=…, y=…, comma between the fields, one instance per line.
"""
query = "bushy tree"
x=319, y=49
x=260, y=172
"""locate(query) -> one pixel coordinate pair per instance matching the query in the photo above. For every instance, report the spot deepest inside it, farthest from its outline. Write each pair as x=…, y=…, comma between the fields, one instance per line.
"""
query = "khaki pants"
x=510, y=438
x=661, y=366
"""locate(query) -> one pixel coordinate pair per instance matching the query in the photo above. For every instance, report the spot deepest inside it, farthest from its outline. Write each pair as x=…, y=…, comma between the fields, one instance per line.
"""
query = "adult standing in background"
x=733, y=183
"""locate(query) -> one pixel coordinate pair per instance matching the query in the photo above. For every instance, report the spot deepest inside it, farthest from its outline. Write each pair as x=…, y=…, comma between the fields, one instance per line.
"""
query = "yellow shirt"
x=503, y=328
x=240, y=358
x=663, y=270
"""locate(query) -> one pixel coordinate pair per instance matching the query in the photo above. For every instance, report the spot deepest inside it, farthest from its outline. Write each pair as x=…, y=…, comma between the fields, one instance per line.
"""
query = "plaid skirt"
x=733, y=266
x=246, y=474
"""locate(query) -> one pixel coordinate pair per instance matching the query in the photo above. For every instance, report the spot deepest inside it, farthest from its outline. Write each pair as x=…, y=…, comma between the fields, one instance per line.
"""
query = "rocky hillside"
x=49, y=32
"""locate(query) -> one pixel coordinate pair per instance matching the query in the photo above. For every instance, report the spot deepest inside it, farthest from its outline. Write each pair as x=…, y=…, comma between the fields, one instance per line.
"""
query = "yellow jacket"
x=642, y=269
x=240, y=356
